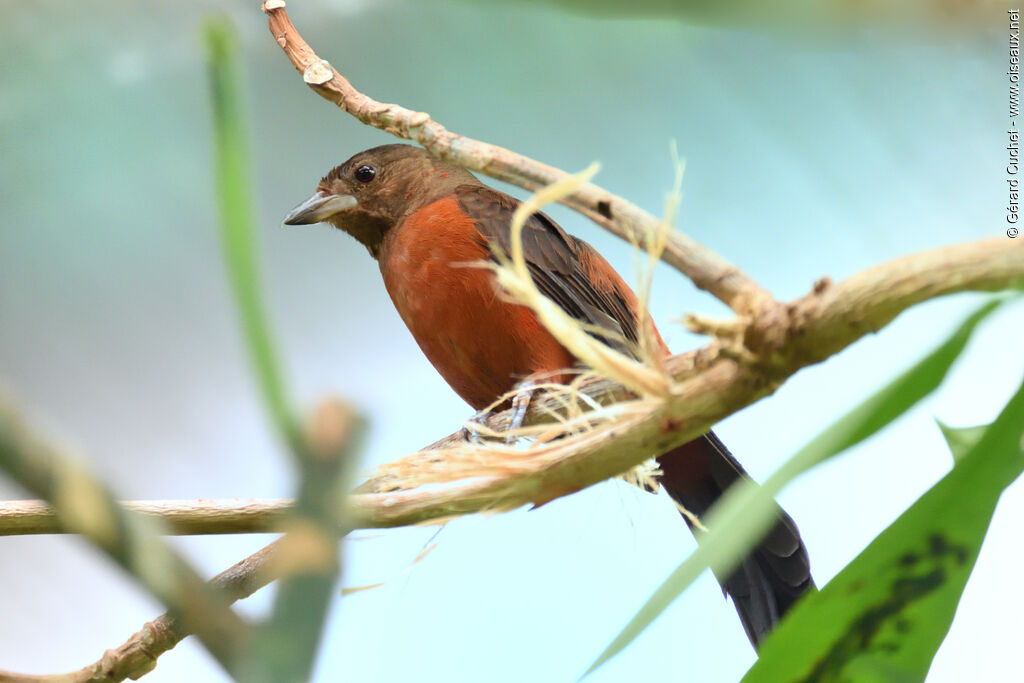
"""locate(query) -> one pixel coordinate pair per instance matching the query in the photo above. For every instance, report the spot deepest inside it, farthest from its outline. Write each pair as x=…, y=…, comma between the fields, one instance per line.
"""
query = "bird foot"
x=476, y=430
x=471, y=431
x=520, y=404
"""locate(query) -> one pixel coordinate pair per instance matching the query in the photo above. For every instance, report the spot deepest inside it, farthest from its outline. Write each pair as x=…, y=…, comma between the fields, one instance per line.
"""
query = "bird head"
x=374, y=190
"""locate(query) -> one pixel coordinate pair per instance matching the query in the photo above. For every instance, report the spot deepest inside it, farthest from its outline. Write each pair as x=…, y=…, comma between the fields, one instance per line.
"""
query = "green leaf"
x=746, y=511
x=884, y=616
x=86, y=506
x=284, y=647
x=238, y=236
x=961, y=439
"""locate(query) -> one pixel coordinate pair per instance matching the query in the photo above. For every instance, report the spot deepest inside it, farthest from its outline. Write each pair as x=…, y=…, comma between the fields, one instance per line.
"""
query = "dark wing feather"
x=777, y=572
x=555, y=260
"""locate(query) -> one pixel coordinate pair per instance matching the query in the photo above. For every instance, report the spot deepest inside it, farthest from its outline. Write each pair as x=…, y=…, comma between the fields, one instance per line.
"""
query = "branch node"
x=723, y=330
x=317, y=73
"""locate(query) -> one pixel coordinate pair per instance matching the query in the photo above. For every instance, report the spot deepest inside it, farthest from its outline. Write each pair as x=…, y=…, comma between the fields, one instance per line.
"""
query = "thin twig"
x=705, y=268
x=138, y=655
x=179, y=517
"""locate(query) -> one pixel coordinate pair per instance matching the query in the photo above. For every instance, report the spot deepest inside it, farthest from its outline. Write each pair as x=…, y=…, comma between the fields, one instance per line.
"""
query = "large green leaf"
x=884, y=616
x=746, y=511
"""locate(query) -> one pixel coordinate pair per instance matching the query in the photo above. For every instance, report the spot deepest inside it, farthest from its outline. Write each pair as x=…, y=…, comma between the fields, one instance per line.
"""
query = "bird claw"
x=469, y=431
x=520, y=403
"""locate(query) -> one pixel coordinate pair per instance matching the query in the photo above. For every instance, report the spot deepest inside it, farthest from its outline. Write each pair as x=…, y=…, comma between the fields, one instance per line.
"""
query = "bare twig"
x=705, y=268
x=179, y=517
x=137, y=656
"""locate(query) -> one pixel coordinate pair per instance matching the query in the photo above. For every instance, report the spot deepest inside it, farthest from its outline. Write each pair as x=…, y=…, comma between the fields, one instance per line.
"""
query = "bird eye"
x=365, y=173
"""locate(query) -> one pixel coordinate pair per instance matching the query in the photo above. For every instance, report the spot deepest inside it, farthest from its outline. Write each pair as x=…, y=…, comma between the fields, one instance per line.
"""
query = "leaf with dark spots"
x=745, y=512
x=885, y=615
x=909, y=560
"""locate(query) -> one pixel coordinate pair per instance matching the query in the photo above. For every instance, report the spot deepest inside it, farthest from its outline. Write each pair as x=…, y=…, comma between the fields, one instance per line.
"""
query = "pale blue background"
x=807, y=155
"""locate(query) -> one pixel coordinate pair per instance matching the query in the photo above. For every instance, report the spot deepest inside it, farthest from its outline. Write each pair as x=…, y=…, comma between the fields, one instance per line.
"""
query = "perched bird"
x=423, y=220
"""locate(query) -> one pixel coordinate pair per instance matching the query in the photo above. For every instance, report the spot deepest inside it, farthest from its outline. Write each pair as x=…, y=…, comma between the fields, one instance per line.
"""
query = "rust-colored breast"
x=479, y=343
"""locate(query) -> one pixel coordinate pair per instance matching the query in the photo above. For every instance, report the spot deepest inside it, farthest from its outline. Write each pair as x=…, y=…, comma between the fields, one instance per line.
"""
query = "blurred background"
x=816, y=151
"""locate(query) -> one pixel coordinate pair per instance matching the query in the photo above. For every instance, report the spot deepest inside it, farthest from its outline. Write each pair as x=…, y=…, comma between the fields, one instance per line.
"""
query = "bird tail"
x=777, y=572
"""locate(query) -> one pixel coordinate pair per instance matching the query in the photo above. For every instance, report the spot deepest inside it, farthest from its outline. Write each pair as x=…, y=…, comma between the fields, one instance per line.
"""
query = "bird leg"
x=476, y=430
x=520, y=403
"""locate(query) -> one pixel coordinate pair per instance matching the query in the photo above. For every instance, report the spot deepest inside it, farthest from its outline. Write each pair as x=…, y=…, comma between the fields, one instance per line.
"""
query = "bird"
x=423, y=219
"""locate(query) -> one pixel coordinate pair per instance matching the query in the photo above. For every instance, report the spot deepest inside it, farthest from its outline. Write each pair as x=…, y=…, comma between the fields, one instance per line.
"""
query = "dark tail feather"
x=777, y=572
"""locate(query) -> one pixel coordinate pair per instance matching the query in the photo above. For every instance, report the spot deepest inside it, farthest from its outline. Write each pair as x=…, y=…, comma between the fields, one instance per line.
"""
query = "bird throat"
x=369, y=229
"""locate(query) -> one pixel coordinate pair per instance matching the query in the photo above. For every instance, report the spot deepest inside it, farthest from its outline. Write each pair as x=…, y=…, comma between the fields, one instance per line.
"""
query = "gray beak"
x=319, y=208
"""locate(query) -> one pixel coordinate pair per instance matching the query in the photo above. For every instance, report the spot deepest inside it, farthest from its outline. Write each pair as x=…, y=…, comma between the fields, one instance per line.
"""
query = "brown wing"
x=565, y=269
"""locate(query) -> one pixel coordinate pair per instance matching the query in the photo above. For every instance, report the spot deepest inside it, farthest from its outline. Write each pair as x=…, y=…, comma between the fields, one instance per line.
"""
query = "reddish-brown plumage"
x=431, y=263
x=433, y=227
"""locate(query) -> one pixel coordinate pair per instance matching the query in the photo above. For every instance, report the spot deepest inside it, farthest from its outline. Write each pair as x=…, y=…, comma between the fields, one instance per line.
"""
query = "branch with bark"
x=705, y=268
x=713, y=383
x=179, y=517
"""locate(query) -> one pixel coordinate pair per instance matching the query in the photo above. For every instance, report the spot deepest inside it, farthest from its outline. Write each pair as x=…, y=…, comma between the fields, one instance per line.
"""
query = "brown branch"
x=705, y=268
x=712, y=384
x=180, y=517
x=138, y=655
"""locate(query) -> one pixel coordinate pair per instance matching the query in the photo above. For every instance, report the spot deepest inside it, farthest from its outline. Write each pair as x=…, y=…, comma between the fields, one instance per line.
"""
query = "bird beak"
x=319, y=208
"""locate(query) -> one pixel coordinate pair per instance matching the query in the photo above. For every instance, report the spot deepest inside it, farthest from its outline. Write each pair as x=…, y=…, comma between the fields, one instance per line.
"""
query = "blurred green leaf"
x=85, y=506
x=238, y=236
x=746, y=511
x=884, y=616
x=284, y=647
x=799, y=14
x=961, y=439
